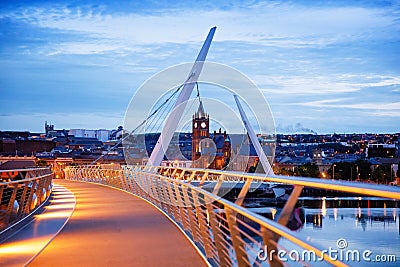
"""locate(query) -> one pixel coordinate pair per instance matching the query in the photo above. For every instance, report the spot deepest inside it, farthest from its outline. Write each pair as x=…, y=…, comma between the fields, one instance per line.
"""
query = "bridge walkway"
x=113, y=228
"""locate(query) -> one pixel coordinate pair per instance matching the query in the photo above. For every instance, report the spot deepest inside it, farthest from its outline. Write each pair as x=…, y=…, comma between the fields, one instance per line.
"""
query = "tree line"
x=361, y=170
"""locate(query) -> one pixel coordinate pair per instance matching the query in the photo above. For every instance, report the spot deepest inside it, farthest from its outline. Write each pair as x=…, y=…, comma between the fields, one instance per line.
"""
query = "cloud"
x=336, y=103
x=84, y=48
x=283, y=25
x=328, y=84
x=316, y=59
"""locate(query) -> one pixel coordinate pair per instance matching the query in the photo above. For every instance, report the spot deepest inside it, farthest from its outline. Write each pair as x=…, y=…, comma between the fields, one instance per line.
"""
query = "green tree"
x=307, y=170
x=283, y=171
x=364, y=169
x=348, y=170
x=41, y=162
x=341, y=171
x=381, y=174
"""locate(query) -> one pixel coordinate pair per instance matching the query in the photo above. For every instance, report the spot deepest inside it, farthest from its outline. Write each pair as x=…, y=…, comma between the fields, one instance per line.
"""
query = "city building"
x=200, y=134
x=381, y=151
x=206, y=152
x=101, y=134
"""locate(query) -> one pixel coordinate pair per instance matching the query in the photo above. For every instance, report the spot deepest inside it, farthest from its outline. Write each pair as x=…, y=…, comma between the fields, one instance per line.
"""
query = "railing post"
x=191, y=212
x=290, y=204
x=173, y=201
x=272, y=249
x=150, y=183
x=191, y=176
x=39, y=190
x=155, y=189
x=182, y=209
x=182, y=174
x=147, y=189
x=142, y=183
x=164, y=202
x=27, y=207
x=173, y=173
x=203, y=179
x=11, y=203
x=238, y=244
x=243, y=192
x=22, y=201
x=219, y=184
x=271, y=239
x=129, y=174
x=223, y=254
x=202, y=225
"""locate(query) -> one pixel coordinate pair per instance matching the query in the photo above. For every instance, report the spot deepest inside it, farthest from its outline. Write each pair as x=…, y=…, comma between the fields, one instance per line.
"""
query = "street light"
x=358, y=175
x=351, y=173
x=333, y=171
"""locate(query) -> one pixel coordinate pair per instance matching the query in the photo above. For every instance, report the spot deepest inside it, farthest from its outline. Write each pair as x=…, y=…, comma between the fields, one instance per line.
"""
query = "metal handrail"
x=226, y=233
x=22, y=192
x=377, y=190
x=27, y=169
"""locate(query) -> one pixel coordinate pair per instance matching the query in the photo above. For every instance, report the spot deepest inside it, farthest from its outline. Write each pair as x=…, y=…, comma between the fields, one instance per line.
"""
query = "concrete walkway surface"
x=112, y=228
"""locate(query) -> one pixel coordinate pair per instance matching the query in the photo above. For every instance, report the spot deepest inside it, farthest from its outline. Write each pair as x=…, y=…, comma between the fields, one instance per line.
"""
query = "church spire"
x=200, y=112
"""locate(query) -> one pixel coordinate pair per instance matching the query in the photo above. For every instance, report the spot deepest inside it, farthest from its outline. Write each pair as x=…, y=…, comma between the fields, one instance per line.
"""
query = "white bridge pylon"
x=173, y=119
x=260, y=152
x=175, y=116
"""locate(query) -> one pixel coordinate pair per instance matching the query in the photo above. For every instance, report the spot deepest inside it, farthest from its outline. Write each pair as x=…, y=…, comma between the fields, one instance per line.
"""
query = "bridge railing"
x=21, y=191
x=202, y=175
x=227, y=234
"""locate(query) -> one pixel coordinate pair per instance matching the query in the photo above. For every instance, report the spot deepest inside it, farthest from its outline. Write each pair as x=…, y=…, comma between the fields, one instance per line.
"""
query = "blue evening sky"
x=329, y=66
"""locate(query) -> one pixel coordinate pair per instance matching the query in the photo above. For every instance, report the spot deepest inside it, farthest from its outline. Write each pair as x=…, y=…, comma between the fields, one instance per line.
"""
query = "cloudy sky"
x=329, y=66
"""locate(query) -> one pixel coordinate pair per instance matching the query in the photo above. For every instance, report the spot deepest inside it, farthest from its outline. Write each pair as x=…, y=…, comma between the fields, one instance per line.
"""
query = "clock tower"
x=200, y=130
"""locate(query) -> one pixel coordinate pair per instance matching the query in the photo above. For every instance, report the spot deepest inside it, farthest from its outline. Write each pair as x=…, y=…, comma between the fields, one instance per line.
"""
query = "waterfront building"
x=101, y=134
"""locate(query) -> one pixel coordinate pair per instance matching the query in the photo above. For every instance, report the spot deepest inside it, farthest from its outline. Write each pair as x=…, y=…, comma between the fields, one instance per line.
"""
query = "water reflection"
x=323, y=209
x=335, y=214
x=366, y=223
x=315, y=220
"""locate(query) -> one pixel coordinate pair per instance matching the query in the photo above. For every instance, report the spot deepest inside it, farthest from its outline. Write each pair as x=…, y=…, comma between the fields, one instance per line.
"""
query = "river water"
x=359, y=231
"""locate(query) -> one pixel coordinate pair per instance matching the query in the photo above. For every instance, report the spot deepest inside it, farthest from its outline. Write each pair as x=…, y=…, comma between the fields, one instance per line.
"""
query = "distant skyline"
x=323, y=66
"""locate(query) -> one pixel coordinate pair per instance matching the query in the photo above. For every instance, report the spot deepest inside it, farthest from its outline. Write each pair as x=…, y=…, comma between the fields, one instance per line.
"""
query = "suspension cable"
x=140, y=125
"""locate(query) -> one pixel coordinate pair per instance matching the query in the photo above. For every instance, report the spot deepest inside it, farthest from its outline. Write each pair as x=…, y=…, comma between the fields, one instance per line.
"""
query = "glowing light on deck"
x=54, y=214
x=64, y=200
x=69, y=205
x=24, y=247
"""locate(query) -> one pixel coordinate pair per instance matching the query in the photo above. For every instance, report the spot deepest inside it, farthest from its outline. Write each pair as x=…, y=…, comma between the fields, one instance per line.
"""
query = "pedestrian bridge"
x=159, y=216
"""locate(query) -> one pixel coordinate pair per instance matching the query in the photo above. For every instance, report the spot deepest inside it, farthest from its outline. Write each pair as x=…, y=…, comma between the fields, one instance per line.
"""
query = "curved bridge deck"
x=110, y=227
